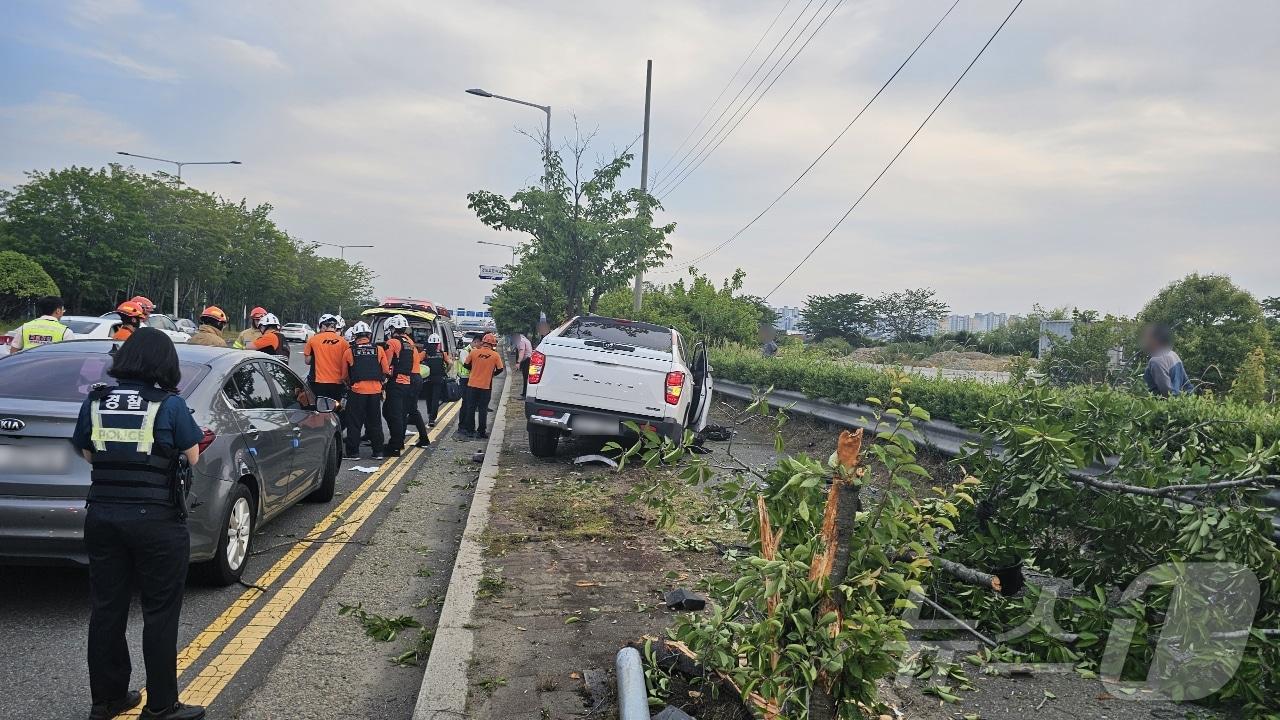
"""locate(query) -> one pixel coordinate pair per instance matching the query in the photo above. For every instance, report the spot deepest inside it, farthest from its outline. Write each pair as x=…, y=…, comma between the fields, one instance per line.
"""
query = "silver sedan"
x=268, y=443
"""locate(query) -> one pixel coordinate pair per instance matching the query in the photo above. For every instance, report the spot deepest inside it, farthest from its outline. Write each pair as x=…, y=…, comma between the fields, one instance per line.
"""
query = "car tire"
x=328, y=475
x=543, y=441
x=235, y=538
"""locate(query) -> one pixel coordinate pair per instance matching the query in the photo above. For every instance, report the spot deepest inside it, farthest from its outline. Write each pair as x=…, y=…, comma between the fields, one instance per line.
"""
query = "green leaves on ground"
x=382, y=629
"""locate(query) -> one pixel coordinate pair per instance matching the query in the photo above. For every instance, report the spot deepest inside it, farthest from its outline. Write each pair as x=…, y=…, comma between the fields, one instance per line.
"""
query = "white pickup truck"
x=592, y=374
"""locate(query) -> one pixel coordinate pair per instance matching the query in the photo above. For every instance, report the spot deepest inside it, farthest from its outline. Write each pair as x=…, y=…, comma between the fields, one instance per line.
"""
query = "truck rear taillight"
x=675, y=385
x=537, y=362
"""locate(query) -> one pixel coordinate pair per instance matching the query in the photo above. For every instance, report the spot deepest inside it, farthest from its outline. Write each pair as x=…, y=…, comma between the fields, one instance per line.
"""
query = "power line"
x=897, y=154
x=723, y=90
x=698, y=161
x=737, y=95
x=821, y=155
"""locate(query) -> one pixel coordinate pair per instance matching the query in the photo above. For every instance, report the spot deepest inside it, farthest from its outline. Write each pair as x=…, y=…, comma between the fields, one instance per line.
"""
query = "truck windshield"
x=609, y=331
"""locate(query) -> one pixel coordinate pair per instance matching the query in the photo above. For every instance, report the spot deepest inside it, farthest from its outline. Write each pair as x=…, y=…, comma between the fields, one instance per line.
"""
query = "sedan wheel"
x=234, y=541
x=239, y=528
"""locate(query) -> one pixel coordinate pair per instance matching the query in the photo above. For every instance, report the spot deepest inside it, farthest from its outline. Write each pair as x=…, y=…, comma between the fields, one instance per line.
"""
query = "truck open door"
x=700, y=405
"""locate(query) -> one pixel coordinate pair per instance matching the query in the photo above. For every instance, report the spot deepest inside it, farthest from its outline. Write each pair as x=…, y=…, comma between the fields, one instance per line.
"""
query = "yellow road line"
x=215, y=629
x=221, y=669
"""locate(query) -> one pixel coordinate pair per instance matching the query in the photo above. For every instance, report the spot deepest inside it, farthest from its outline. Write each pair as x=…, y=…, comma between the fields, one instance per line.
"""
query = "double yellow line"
x=215, y=676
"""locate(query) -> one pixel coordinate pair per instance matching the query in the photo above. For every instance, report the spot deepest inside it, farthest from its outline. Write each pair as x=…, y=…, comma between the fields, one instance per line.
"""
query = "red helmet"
x=147, y=306
x=257, y=312
x=214, y=312
x=131, y=309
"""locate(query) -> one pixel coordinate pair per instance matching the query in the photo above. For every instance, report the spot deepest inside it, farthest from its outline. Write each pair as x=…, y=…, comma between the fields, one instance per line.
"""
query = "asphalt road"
x=44, y=610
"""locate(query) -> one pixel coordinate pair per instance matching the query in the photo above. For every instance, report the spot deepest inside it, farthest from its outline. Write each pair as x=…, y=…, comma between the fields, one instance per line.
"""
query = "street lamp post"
x=544, y=108
x=512, y=247
x=342, y=249
x=178, y=163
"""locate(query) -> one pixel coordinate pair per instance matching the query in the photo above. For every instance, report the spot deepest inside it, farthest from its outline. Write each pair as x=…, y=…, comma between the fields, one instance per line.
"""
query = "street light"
x=544, y=108
x=512, y=247
x=177, y=163
x=342, y=249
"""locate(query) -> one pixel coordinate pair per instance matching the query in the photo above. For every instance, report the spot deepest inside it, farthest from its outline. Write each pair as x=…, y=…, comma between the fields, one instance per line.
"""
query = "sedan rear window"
x=82, y=327
x=68, y=377
x=619, y=332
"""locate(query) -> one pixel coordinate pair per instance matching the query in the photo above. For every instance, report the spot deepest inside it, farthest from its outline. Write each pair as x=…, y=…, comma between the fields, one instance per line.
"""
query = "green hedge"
x=963, y=402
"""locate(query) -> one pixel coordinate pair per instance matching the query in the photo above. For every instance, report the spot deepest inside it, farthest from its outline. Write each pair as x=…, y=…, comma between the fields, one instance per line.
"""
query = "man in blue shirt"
x=1165, y=374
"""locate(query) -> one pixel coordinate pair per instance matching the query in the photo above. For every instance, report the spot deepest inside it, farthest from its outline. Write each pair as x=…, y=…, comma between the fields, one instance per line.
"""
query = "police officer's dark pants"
x=364, y=413
x=146, y=545
x=480, y=401
x=467, y=418
x=435, y=394
x=396, y=411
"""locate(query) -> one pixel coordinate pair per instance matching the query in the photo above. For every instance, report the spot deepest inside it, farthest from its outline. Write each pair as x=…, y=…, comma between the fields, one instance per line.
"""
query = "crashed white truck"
x=593, y=374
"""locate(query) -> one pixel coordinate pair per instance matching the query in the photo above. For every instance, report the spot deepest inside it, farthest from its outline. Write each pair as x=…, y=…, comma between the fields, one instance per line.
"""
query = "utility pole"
x=644, y=172
x=175, y=298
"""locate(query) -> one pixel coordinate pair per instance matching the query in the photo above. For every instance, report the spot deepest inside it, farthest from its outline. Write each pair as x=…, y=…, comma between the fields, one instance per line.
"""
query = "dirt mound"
x=954, y=360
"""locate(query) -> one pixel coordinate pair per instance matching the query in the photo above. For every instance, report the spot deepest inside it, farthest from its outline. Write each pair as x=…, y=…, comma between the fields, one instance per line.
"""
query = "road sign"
x=492, y=272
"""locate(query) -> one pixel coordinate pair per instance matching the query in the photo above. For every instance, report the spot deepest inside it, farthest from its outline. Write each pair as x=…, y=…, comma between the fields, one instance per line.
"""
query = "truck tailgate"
x=631, y=381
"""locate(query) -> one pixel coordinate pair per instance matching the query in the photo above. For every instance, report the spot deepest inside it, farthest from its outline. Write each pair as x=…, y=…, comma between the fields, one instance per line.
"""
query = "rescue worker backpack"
x=128, y=464
x=364, y=362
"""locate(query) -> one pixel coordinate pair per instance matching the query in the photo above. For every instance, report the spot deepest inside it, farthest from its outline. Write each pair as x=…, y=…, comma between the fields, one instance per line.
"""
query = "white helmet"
x=348, y=336
x=360, y=328
x=328, y=318
x=434, y=339
x=341, y=323
x=268, y=320
x=397, y=322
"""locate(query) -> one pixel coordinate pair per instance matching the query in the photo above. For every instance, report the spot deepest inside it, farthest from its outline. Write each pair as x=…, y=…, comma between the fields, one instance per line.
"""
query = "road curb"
x=444, y=683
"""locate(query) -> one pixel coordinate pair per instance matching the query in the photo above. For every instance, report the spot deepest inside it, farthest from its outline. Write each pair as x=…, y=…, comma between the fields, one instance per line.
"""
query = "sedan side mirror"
x=326, y=404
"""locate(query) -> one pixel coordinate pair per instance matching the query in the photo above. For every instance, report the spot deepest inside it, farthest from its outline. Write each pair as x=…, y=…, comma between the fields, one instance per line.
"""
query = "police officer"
x=135, y=529
x=402, y=392
x=436, y=361
x=44, y=329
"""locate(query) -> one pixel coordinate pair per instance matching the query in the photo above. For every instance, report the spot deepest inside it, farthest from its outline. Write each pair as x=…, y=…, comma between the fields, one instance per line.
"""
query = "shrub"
x=1250, y=385
x=22, y=280
x=834, y=347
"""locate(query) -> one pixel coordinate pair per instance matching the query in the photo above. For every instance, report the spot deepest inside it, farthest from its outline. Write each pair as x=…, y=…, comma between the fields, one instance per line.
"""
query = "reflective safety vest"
x=128, y=464
x=42, y=332
x=364, y=362
x=464, y=372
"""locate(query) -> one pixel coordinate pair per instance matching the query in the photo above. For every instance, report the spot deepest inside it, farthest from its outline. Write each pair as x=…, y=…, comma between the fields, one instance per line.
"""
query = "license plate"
x=42, y=460
x=595, y=426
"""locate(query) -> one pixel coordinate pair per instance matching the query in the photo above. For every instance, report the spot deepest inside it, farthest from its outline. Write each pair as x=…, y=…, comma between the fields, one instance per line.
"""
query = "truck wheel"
x=543, y=441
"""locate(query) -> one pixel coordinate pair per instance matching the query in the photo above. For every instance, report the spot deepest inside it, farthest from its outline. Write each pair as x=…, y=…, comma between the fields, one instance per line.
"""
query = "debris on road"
x=685, y=600
x=584, y=459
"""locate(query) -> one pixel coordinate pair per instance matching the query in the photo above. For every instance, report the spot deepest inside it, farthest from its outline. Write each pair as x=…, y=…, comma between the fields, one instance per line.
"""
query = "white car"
x=159, y=321
x=104, y=326
x=297, y=332
x=592, y=374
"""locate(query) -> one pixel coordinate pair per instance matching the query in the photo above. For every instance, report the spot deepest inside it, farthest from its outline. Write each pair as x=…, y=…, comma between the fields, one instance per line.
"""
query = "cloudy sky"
x=1097, y=151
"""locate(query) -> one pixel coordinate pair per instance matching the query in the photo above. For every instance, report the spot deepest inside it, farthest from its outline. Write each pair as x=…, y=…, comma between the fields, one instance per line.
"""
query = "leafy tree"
x=1215, y=324
x=910, y=314
x=1250, y=385
x=1088, y=356
x=849, y=316
x=1019, y=335
x=22, y=280
x=589, y=237
x=519, y=300
x=699, y=309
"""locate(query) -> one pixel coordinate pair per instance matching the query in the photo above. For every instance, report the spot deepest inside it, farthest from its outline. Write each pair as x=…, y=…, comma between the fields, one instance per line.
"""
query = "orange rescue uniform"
x=123, y=332
x=485, y=362
x=327, y=352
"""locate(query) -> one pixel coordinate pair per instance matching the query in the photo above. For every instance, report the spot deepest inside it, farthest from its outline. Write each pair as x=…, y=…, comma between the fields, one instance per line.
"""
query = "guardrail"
x=938, y=435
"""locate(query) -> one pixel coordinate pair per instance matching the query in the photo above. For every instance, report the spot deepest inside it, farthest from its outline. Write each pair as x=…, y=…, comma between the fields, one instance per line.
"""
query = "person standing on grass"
x=1165, y=374
x=467, y=416
x=485, y=364
x=45, y=329
x=524, y=351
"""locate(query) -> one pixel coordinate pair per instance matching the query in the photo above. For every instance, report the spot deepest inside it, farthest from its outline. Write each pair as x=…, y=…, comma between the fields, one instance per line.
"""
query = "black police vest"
x=128, y=464
x=438, y=369
x=403, y=363
x=364, y=362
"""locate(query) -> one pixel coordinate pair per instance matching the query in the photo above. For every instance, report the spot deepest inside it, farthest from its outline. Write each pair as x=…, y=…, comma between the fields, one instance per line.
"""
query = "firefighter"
x=135, y=529
x=326, y=353
x=402, y=392
x=44, y=329
x=251, y=333
x=212, y=320
x=484, y=365
x=147, y=306
x=271, y=342
x=367, y=367
x=131, y=317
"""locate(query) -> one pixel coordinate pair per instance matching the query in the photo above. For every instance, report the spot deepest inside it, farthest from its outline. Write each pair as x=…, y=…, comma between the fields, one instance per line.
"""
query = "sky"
x=1097, y=151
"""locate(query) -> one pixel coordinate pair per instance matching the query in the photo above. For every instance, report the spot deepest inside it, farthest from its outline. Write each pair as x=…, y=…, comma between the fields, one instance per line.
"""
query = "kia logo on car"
x=11, y=424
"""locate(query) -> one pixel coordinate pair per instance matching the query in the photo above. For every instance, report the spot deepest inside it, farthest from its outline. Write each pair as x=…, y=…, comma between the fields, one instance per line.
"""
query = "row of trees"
x=897, y=316
x=104, y=235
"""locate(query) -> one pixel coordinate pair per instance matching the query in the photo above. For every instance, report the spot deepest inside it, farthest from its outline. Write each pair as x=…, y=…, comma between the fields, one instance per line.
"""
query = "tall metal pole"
x=175, y=297
x=644, y=173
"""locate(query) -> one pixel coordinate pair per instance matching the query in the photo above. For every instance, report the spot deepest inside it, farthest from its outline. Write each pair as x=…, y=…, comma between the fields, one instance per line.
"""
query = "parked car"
x=592, y=374
x=297, y=332
x=158, y=321
x=187, y=326
x=268, y=443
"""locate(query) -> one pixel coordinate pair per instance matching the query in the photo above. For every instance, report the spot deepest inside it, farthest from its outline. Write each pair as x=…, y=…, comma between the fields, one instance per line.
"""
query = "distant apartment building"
x=787, y=318
x=975, y=323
